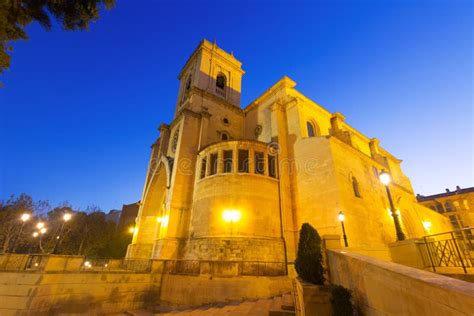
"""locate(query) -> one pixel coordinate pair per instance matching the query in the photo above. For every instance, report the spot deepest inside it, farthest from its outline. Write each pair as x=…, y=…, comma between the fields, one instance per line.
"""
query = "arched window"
x=355, y=187
x=188, y=83
x=224, y=136
x=310, y=128
x=187, y=88
x=221, y=81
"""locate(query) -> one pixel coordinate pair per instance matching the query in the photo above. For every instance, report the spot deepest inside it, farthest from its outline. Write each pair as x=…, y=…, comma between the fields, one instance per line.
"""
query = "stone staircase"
x=282, y=305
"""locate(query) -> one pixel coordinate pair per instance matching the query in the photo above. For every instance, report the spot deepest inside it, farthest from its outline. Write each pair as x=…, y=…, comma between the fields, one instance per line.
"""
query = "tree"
x=341, y=301
x=12, y=234
x=15, y=15
x=308, y=263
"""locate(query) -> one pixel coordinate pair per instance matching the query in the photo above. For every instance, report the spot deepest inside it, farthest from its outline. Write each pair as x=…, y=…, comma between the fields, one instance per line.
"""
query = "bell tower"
x=209, y=72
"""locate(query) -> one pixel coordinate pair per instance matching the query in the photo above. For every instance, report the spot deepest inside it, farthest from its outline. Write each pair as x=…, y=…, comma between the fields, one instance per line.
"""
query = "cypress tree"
x=308, y=263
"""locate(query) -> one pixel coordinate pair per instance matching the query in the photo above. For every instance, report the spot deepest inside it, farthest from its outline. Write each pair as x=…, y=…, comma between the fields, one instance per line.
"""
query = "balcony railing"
x=451, y=249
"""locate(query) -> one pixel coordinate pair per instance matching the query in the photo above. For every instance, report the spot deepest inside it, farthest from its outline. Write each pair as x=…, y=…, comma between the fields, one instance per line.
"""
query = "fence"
x=17, y=262
x=451, y=249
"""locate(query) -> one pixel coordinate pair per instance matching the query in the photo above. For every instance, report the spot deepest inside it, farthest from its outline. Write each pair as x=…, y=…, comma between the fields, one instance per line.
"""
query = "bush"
x=308, y=263
x=341, y=301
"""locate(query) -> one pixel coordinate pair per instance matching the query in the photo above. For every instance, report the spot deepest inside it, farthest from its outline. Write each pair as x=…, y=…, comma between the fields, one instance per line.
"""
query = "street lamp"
x=40, y=225
x=341, y=218
x=24, y=218
x=386, y=179
x=66, y=218
x=40, y=234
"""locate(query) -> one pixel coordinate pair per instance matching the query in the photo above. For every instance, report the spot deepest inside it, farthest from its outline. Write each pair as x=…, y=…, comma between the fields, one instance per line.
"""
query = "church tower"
x=210, y=72
x=207, y=111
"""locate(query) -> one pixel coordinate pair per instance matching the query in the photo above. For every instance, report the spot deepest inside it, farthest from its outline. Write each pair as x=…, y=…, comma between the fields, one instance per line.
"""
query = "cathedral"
x=226, y=183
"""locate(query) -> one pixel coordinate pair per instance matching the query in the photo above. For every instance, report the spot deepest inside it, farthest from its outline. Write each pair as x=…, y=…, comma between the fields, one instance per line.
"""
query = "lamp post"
x=24, y=218
x=40, y=233
x=385, y=178
x=341, y=218
x=35, y=235
x=66, y=218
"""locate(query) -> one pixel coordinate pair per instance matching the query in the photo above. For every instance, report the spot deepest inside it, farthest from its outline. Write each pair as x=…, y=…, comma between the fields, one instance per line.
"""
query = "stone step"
x=262, y=307
x=139, y=312
x=288, y=302
x=282, y=306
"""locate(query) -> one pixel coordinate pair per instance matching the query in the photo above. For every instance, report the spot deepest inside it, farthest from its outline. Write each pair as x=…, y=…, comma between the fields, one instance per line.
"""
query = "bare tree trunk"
x=80, y=247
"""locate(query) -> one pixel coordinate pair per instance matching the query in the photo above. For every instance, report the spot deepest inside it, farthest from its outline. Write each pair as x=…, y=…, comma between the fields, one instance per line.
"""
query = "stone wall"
x=228, y=248
x=385, y=288
x=66, y=285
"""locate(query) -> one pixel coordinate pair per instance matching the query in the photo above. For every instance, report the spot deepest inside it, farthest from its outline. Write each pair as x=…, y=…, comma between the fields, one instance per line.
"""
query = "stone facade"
x=457, y=205
x=226, y=183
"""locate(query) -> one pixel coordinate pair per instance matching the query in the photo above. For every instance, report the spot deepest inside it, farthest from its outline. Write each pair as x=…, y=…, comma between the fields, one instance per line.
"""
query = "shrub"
x=341, y=301
x=308, y=263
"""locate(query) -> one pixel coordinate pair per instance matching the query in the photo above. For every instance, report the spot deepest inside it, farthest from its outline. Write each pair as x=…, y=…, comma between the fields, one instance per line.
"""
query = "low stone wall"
x=52, y=284
x=205, y=289
x=46, y=293
x=386, y=288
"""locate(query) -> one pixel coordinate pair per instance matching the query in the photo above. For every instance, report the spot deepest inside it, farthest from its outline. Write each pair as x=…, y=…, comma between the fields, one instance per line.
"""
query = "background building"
x=457, y=205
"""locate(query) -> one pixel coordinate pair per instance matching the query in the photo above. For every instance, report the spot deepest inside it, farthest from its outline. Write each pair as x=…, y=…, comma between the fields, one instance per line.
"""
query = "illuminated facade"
x=457, y=205
x=232, y=184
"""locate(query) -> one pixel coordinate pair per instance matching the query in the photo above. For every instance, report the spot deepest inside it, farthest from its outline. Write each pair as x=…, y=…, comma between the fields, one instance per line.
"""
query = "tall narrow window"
x=203, y=167
x=243, y=160
x=259, y=163
x=213, y=164
x=448, y=207
x=272, y=166
x=355, y=186
x=227, y=161
x=310, y=128
x=221, y=82
x=439, y=208
x=187, y=88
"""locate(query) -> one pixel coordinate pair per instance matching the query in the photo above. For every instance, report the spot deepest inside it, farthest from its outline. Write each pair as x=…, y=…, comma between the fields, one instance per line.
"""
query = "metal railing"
x=450, y=249
x=103, y=264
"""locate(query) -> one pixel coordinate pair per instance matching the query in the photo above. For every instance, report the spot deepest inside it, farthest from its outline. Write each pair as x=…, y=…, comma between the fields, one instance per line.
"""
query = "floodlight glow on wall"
x=231, y=216
x=427, y=226
x=163, y=220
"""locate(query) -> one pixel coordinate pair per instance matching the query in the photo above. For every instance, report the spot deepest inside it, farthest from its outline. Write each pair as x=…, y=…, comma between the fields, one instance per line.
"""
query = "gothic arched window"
x=310, y=128
x=355, y=187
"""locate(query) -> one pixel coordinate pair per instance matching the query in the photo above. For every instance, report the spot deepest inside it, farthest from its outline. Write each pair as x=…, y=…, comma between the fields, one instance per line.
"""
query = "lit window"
x=227, y=161
x=355, y=186
x=259, y=163
x=243, y=160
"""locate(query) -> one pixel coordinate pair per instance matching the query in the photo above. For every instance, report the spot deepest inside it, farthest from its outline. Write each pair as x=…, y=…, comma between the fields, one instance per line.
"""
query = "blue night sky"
x=79, y=110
